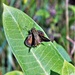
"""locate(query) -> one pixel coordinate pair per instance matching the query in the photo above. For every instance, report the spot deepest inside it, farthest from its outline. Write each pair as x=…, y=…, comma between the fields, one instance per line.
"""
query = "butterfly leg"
x=29, y=49
x=42, y=43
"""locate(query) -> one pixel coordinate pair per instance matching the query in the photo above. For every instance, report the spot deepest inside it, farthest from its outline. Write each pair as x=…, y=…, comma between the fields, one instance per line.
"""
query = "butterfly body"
x=35, y=38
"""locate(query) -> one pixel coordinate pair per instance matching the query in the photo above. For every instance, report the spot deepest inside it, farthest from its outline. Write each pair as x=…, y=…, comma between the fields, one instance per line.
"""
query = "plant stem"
x=67, y=24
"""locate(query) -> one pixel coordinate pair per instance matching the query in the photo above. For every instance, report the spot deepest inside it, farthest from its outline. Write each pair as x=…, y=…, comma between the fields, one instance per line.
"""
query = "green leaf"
x=72, y=8
x=42, y=58
x=68, y=69
x=43, y=13
x=62, y=51
x=14, y=73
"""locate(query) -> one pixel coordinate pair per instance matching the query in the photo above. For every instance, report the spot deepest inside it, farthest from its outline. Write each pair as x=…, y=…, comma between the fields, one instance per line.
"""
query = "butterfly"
x=34, y=38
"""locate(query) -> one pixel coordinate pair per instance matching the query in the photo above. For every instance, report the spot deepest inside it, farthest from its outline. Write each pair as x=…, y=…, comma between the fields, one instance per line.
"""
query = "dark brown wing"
x=36, y=39
x=40, y=33
x=44, y=39
x=28, y=41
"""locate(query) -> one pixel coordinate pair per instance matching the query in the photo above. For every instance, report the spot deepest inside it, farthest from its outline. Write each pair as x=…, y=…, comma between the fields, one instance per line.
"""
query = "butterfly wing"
x=40, y=33
x=28, y=41
x=36, y=38
x=43, y=38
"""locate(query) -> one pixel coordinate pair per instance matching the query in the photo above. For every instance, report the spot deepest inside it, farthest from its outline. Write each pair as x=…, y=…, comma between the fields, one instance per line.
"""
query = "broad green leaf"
x=42, y=58
x=62, y=51
x=14, y=73
x=68, y=69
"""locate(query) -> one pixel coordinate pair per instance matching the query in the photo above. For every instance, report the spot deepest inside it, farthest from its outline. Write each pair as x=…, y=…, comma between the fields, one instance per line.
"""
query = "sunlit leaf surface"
x=68, y=69
x=14, y=73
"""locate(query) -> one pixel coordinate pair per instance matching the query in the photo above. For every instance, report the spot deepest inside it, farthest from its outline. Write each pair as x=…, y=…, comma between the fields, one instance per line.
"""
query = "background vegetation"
x=56, y=17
